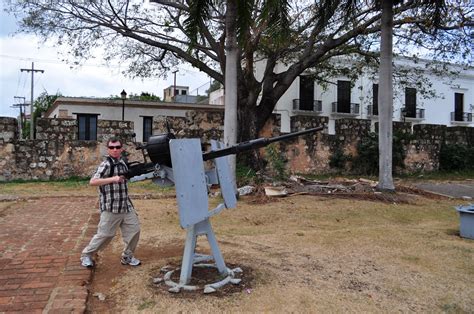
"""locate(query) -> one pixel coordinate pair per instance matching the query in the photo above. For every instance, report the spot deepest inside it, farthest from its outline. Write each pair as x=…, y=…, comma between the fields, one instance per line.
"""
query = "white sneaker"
x=87, y=261
x=132, y=261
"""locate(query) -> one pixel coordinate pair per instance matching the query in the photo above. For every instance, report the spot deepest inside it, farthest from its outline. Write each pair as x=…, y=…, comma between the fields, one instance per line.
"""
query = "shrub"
x=454, y=157
x=245, y=175
x=367, y=160
x=276, y=161
x=338, y=159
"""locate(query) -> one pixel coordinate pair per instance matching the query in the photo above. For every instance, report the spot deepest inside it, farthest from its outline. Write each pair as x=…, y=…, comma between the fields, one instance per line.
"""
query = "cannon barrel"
x=254, y=144
x=159, y=152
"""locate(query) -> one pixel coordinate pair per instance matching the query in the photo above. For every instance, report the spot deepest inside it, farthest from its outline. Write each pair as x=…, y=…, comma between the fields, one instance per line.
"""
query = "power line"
x=22, y=115
x=32, y=121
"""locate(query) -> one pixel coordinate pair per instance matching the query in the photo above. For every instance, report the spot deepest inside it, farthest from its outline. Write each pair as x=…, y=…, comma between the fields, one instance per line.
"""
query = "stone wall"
x=67, y=129
x=8, y=129
x=196, y=124
x=56, y=153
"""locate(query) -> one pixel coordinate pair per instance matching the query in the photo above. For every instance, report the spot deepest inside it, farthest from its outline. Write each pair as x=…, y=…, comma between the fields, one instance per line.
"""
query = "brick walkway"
x=40, y=244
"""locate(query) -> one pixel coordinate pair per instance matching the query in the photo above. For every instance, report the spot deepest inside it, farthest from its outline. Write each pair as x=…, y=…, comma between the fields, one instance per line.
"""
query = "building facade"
x=88, y=111
x=448, y=101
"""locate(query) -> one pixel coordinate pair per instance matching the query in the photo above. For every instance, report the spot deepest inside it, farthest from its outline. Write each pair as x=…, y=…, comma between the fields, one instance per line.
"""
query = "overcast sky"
x=91, y=80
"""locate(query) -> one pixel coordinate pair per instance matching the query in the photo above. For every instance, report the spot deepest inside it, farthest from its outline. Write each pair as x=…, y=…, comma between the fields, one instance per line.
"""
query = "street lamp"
x=123, y=94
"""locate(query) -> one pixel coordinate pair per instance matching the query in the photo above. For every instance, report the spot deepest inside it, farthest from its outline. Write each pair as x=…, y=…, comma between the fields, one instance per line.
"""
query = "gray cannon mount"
x=158, y=150
x=180, y=162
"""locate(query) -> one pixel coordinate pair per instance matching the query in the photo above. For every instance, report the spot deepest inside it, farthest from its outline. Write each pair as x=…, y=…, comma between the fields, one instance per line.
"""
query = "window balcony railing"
x=419, y=114
x=461, y=117
x=370, y=111
x=354, y=109
x=308, y=105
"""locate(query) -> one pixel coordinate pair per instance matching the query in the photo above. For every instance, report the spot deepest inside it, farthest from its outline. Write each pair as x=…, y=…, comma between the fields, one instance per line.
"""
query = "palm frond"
x=199, y=11
x=276, y=15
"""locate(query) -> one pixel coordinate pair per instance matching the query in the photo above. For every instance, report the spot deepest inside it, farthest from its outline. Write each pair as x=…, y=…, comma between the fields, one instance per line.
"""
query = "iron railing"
x=370, y=111
x=418, y=114
x=461, y=116
x=308, y=105
x=354, y=108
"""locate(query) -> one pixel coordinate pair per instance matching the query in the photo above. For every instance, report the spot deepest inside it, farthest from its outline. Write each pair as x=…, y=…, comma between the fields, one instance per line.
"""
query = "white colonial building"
x=89, y=110
x=451, y=102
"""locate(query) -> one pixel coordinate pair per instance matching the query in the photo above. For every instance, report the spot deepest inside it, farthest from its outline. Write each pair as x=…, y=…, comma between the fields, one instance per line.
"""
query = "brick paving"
x=40, y=244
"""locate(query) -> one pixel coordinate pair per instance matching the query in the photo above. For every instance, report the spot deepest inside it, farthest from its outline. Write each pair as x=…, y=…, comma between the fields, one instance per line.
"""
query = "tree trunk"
x=230, y=97
x=386, y=98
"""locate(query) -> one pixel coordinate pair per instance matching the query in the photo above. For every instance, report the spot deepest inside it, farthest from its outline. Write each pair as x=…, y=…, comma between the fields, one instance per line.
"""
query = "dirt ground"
x=303, y=253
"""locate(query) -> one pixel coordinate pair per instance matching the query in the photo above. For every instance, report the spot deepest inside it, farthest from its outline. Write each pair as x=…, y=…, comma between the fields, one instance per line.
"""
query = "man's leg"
x=130, y=228
x=105, y=232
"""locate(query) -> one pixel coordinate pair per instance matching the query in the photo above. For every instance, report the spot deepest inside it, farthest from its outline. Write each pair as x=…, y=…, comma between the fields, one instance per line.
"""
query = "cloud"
x=91, y=80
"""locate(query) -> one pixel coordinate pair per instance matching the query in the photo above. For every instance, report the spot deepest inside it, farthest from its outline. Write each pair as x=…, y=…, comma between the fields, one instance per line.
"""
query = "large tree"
x=152, y=39
x=386, y=97
x=237, y=25
x=386, y=82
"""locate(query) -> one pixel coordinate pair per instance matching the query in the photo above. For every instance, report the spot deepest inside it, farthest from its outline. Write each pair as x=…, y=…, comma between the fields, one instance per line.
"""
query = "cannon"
x=180, y=162
x=158, y=150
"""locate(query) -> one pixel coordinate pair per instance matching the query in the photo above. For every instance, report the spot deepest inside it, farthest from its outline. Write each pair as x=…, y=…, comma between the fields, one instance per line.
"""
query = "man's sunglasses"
x=115, y=147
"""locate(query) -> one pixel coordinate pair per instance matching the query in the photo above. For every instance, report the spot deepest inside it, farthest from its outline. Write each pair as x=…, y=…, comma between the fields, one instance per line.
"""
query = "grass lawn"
x=300, y=253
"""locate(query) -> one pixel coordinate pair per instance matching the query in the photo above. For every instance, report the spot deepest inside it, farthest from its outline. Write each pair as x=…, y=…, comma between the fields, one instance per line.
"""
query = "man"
x=116, y=209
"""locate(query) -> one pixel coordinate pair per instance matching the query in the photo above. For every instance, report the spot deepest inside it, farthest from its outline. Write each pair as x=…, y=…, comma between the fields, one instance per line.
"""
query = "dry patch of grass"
x=307, y=254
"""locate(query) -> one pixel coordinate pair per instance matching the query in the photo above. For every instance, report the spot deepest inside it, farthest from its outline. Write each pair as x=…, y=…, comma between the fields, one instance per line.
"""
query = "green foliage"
x=26, y=130
x=245, y=175
x=276, y=161
x=215, y=85
x=338, y=159
x=200, y=98
x=400, y=140
x=367, y=161
x=455, y=157
x=144, y=96
x=43, y=102
x=72, y=181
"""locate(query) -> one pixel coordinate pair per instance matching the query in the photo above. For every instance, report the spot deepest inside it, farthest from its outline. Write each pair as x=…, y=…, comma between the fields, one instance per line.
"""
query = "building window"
x=87, y=124
x=458, y=106
x=375, y=99
x=183, y=92
x=344, y=96
x=147, y=128
x=410, y=102
x=306, y=93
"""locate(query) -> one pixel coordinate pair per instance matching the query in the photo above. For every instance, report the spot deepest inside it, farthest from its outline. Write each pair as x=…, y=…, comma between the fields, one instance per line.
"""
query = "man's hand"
x=119, y=179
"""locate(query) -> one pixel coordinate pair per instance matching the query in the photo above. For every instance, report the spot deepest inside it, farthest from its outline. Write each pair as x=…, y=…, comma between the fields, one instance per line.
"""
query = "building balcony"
x=370, y=112
x=461, y=118
x=340, y=110
x=307, y=106
x=414, y=116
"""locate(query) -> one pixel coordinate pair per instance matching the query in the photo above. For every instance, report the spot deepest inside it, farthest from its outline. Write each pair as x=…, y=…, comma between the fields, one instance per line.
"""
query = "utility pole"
x=21, y=105
x=32, y=121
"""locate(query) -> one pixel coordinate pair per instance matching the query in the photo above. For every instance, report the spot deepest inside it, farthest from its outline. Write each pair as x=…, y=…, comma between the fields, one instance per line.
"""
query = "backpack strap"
x=112, y=166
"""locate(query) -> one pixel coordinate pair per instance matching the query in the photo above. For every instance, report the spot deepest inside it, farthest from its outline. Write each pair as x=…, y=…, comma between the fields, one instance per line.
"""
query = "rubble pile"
x=298, y=184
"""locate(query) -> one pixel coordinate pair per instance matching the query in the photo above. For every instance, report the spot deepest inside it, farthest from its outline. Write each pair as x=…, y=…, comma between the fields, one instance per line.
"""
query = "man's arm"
x=104, y=181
